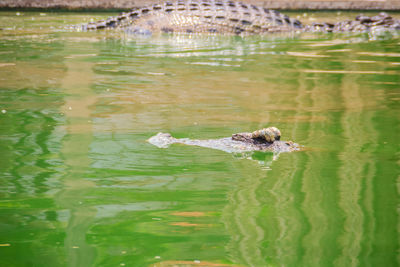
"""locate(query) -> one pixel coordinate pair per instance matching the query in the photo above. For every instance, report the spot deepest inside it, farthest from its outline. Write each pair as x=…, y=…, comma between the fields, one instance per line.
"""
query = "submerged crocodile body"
x=262, y=140
x=228, y=17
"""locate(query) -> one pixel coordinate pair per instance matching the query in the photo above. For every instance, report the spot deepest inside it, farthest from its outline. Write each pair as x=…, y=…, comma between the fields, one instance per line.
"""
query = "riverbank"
x=127, y=4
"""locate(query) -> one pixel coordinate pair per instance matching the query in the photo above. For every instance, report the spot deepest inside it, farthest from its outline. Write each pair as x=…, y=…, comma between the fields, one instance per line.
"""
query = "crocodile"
x=266, y=140
x=228, y=17
x=203, y=16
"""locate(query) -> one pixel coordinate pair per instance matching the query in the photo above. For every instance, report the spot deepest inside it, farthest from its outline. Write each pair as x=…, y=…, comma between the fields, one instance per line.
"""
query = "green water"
x=80, y=186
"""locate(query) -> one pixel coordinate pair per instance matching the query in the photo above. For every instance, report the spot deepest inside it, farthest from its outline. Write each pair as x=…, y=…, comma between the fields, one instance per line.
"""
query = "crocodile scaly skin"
x=205, y=16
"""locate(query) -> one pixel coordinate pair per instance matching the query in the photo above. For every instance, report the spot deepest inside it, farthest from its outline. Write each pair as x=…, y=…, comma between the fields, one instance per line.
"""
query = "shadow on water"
x=81, y=187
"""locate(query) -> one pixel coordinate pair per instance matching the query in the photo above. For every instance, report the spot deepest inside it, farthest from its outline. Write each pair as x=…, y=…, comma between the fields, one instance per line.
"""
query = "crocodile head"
x=269, y=134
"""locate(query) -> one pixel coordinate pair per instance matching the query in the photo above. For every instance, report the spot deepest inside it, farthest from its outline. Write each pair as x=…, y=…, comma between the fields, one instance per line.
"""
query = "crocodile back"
x=205, y=16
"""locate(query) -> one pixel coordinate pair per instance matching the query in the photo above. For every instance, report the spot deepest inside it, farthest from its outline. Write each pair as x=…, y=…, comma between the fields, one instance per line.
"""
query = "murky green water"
x=80, y=186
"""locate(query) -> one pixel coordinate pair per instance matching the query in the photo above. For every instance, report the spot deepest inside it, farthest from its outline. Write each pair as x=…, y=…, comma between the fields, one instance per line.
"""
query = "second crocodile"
x=267, y=139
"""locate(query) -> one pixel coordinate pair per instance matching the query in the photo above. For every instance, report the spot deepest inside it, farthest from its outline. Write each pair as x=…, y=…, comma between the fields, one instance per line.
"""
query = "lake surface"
x=80, y=186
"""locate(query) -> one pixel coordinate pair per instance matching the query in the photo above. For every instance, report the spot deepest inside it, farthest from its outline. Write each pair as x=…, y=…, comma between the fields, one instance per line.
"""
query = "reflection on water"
x=80, y=186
